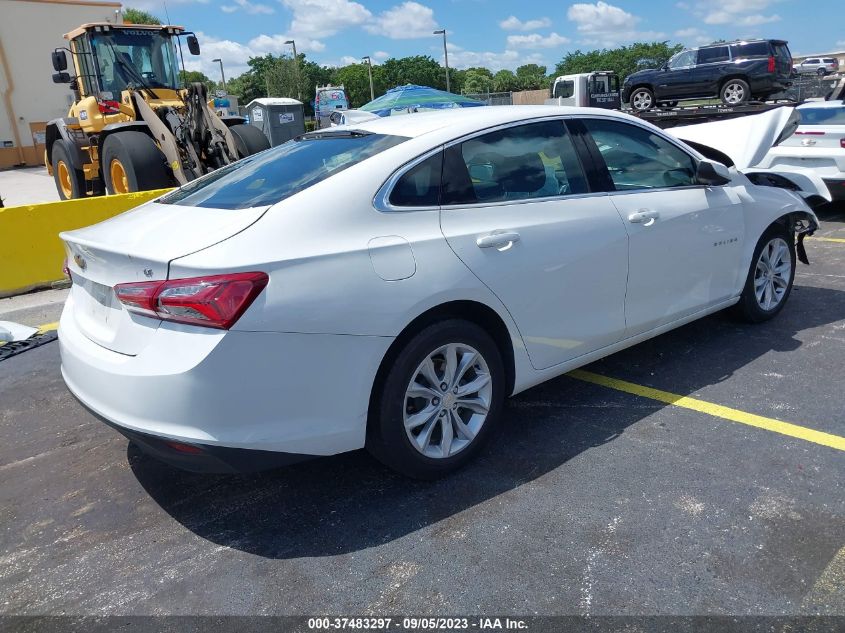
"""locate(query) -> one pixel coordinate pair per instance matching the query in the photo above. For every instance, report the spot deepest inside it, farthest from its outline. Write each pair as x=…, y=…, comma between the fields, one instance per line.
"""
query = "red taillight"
x=108, y=107
x=216, y=301
x=842, y=143
x=771, y=64
x=65, y=269
x=183, y=448
x=809, y=133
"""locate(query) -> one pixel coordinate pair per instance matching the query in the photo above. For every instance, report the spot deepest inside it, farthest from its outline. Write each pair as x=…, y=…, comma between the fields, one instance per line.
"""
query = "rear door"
x=517, y=210
x=685, y=239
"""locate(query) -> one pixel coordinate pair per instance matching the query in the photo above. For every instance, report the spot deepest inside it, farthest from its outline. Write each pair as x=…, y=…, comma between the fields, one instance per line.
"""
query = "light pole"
x=445, y=55
x=222, y=74
x=370, y=71
x=296, y=69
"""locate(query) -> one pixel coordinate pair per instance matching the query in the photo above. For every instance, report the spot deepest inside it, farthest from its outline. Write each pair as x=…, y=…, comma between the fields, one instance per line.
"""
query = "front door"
x=675, y=80
x=517, y=211
x=685, y=239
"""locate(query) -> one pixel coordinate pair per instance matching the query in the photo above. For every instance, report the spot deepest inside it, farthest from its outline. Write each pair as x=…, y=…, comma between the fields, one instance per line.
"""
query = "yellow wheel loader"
x=132, y=125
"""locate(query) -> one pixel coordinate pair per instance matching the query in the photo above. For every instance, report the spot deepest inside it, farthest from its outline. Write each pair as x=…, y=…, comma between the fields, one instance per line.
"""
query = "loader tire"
x=70, y=182
x=249, y=140
x=131, y=162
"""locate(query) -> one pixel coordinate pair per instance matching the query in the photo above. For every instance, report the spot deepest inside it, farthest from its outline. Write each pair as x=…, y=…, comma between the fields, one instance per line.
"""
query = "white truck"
x=598, y=89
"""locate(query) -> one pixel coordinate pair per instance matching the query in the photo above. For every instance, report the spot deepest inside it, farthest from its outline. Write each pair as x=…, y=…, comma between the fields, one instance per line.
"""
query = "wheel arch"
x=58, y=129
x=468, y=310
x=733, y=75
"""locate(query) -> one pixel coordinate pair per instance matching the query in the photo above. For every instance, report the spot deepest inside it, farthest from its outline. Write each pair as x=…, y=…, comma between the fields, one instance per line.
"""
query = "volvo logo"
x=80, y=262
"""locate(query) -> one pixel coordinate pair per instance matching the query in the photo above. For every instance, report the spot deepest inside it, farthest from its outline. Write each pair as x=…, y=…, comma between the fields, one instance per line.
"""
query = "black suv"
x=735, y=72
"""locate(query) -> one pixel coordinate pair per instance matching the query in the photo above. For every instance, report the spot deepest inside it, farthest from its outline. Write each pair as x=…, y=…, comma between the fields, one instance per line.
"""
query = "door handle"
x=645, y=217
x=500, y=240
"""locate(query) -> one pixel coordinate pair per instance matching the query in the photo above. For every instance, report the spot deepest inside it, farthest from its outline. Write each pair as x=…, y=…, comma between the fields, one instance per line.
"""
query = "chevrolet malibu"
x=387, y=285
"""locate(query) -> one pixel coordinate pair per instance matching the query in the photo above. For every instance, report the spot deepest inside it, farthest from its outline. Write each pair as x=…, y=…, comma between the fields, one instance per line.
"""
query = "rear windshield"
x=822, y=116
x=282, y=171
x=751, y=49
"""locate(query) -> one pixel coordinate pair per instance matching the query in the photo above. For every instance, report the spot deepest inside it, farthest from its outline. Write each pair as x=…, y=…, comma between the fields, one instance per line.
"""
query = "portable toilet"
x=280, y=118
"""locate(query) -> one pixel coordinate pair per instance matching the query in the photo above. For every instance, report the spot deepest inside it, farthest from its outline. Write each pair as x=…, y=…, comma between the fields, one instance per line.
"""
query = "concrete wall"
x=29, y=31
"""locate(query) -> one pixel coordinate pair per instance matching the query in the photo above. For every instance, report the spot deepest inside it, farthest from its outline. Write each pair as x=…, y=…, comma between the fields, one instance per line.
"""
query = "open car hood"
x=745, y=140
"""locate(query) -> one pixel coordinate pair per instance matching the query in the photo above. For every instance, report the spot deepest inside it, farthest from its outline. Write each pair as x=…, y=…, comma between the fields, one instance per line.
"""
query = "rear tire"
x=70, y=182
x=249, y=140
x=132, y=162
x=769, y=281
x=821, y=72
x=735, y=92
x=642, y=99
x=426, y=419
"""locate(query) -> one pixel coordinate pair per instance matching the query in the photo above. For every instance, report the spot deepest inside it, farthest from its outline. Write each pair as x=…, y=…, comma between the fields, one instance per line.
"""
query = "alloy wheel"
x=772, y=274
x=641, y=100
x=734, y=93
x=447, y=400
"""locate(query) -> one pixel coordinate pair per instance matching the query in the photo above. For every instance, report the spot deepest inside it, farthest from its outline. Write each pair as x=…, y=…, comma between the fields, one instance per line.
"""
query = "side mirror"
x=193, y=45
x=712, y=173
x=59, y=60
x=61, y=78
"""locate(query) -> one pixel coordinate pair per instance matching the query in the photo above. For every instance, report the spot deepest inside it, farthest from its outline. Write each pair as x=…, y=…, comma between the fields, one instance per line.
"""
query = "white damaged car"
x=387, y=285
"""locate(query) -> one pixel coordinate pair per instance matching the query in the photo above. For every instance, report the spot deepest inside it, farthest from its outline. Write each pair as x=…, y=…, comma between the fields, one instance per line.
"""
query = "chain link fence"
x=809, y=87
x=492, y=98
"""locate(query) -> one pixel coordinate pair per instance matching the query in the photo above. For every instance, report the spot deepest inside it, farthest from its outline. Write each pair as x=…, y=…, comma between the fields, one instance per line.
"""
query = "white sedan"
x=817, y=145
x=388, y=285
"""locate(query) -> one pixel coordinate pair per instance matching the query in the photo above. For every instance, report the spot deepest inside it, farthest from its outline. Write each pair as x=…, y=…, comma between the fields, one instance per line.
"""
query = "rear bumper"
x=294, y=394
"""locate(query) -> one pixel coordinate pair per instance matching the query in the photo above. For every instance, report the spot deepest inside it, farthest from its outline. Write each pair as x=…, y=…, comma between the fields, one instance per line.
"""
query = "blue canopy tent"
x=410, y=98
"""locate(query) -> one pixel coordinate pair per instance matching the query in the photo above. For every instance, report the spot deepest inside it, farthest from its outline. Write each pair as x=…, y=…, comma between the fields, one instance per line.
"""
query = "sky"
x=493, y=33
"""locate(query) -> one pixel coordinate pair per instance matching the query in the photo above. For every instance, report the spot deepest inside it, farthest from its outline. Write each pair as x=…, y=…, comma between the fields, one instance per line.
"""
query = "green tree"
x=532, y=77
x=477, y=82
x=421, y=70
x=192, y=76
x=623, y=60
x=136, y=16
x=505, y=81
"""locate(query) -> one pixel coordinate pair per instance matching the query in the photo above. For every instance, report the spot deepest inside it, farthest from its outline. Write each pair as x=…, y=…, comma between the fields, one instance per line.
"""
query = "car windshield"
x=280, y=172
x=822, y=116
x=135, y=56
x=332, y=100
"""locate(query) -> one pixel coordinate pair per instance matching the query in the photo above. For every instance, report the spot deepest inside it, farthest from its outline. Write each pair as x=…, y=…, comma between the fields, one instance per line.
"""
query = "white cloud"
x=508, y=59
x=235, y=54
x=513, y=23
x=535, y=40
x=732, y=12
x=840, y=43
x=321, y=18
x=693, y=36
x=604, y=24
x=380, y=55
x=409, y=20
x=248, y=7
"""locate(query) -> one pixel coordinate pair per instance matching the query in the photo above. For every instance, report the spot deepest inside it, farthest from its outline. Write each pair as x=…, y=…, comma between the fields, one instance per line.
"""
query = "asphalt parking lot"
x=591, y=500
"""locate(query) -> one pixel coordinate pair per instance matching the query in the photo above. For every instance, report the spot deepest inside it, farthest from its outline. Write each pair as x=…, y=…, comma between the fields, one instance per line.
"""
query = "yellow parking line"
x=48, y=327
x=828, y=239
x=717, y=410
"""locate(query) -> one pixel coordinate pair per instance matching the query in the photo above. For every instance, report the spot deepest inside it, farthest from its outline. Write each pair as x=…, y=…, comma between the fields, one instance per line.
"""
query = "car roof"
x=735, y=42
x=457, y=122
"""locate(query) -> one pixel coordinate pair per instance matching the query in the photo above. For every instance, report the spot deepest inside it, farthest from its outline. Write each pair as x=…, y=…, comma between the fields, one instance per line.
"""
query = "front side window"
x=535, y=160
x=140, y=57
x=640, y=159
x=87, y=71
x=564, y=89
x=420, y=185
x=682, y=60
x=278, y=173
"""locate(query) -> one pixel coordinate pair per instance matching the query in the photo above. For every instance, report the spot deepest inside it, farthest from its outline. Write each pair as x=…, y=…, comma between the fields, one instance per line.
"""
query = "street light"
x=370, y=71
x=446, y=56
x=296, y=69
x=220, y=61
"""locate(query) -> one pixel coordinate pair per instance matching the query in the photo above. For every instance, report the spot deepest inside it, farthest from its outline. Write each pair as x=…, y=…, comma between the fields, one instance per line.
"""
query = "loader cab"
x=598, y=89
x=110, y=59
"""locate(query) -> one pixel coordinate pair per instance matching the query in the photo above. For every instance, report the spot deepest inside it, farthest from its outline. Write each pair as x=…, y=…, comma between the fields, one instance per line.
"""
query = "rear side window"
x=829, y=61
x=280, y=172
x=524, y=162
x=782, y=52
x=639, y=159
x=751, y=49
x=713, y=55
x=822, y=116
x=420, y=185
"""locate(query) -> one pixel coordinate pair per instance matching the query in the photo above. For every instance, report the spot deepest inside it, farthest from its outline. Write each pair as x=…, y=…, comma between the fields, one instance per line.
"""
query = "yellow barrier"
x=32, y=253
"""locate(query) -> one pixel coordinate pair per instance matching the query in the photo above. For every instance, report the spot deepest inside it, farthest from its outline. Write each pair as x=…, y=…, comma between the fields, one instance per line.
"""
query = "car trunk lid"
x=137, y=246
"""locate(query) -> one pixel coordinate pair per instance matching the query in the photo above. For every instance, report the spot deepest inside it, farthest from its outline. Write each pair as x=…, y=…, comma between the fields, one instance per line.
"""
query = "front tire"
x=249, y=140
x=439, y=402
x=735, y=92
x=70, y=182
x=769, y=281
x=821, y=72
x=642, y=99
x=132, y=162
